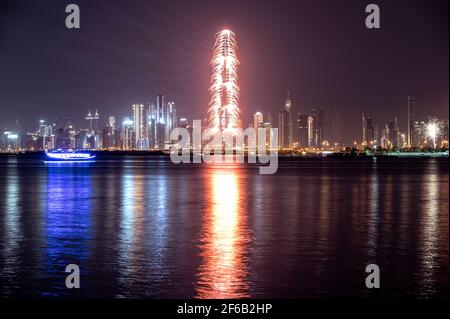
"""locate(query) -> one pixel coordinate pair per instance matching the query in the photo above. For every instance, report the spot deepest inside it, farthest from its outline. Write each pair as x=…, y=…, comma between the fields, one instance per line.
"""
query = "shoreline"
x=104, y=154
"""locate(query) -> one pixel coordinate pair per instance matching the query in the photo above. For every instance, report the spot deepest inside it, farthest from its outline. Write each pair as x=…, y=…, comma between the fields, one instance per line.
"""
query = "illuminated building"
x=127, y=136
x=160, y=108
x=310, y=131
x=364, y=130
x=65, y=134
x=302, y=130
x=411, y=130
x=369, y=132
x=171, y=119
x=258, y=121
x=316, y=128
x=141, y=126
x=9, y=141
x=269, y=134
x=224, y=91
x=109, y=134
x=290, y=124
x=93, y=120
x=283, y=129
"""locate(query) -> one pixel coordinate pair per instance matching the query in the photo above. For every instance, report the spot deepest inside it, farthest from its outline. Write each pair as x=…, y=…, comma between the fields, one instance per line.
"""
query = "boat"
x=70, y=155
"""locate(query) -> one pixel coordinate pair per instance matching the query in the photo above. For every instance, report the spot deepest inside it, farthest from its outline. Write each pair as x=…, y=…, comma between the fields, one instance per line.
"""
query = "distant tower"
x=290, y=124
x=411, y=111
x=302, y=130
x=258, y=122
x=90, y=119
x=160, y=115
x=93, y=120
x=364, y=129
x=141, y=126
x=96, y=118
x=171, y=118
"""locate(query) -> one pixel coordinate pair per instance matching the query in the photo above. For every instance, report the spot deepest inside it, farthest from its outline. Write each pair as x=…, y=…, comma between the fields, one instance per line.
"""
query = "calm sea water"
x=149, y=229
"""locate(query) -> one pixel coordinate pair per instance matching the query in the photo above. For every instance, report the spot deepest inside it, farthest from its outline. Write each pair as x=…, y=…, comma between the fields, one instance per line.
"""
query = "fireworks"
x=223, y=107
x=433, y=130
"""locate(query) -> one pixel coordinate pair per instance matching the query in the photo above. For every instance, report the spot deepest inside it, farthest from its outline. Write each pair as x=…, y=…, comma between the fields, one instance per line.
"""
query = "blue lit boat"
x=68, y=156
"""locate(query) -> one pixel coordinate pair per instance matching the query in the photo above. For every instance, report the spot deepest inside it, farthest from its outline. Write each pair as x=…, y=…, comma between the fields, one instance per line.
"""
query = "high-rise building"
x=384, y=141
x=127, y=135
x=160, y=109
x=311, y=131
x=316, y=122
x=364, y=130
x=65, y=134
x=141, y=126
x=390, y=131
x=93, y=120
x=411, y=119
x=258, y=122
x=223, y=112
x=397, y=134
x=290, y=122
x=269, y=134
x=171, y=119
x=110, y=134
x=371, y=132
x=336, y=125
x=283, y=129
x=302, y=129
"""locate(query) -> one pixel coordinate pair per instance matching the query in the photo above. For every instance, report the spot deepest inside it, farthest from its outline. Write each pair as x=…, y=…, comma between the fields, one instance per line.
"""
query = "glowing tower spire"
x=223, y=106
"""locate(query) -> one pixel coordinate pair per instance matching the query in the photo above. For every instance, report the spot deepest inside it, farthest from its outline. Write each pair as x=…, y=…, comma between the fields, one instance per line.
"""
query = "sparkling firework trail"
x=223, y=107
x=433, y=130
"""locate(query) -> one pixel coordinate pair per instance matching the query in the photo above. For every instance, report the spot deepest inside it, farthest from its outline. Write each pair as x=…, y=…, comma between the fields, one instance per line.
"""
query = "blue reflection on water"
x=67, y=228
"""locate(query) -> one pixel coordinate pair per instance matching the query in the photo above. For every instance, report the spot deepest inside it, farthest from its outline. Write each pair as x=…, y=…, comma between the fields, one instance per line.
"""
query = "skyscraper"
x=141, y=126
x=127, y=136
x=411, y=111
x=93, y=120
x=223, y=106
x=160, y=108
x=337, y=127
x=371, y=132
x=364, y=129
x=258, y=122
x=65, y=134
x=283, y=129
x=290, y=122
x=316, y=122
x=302, y=129
x=171, y=118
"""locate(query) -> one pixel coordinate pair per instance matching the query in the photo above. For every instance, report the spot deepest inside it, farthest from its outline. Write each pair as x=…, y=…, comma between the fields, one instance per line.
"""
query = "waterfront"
x=147, y=228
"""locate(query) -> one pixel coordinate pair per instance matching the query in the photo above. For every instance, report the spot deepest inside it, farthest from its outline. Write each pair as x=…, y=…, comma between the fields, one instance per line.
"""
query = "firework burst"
x=223, y=107
x=432, y=130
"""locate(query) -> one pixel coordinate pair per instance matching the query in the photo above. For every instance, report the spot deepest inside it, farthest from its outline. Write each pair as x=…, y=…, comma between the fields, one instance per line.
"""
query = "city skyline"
x=224, y=155
x=88, y=75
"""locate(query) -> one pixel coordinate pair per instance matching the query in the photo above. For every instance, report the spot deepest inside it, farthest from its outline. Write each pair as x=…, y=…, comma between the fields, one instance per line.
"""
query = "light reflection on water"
x=151, y=229
x=224, y=240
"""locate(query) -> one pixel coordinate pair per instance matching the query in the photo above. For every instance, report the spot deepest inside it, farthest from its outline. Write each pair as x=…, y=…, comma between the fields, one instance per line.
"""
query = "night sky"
x=129, y=51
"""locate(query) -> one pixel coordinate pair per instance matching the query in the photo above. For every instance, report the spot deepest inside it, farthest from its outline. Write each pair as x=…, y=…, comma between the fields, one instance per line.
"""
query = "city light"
x=223, y=106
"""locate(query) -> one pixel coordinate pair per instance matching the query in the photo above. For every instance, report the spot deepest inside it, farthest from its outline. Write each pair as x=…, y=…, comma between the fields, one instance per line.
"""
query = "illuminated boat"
x=68, y=156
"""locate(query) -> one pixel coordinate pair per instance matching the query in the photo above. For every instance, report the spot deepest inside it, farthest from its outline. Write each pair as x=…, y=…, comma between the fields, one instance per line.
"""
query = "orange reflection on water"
x=224, y=243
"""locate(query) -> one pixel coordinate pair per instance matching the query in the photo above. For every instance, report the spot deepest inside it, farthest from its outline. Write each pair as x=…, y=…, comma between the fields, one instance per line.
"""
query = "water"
x=145, y=228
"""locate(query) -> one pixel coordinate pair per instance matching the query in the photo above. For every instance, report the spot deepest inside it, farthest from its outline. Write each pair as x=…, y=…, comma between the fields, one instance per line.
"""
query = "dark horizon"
x=128, y=52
